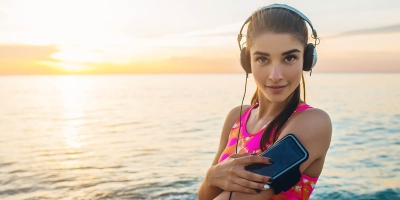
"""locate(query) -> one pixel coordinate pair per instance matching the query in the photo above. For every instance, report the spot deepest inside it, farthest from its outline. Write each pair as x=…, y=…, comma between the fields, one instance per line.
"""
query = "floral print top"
x=250, y=143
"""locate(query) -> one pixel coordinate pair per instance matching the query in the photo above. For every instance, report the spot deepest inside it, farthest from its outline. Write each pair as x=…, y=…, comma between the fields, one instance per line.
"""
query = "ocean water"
x=154, y=136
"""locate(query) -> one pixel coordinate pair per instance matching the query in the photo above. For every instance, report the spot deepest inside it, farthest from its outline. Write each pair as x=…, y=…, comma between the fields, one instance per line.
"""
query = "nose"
x=275, y=74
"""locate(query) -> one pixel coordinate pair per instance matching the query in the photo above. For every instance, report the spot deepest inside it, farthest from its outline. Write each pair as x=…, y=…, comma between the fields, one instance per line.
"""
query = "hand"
x=230, y=174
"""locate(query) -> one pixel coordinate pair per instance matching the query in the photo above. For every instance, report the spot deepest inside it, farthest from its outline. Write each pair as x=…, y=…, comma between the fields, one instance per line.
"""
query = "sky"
x=175, y=36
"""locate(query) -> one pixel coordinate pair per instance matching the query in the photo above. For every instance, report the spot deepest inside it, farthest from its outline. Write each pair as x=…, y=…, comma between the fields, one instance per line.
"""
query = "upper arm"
x=207, y=191
x=313, y=128
x=230, y=120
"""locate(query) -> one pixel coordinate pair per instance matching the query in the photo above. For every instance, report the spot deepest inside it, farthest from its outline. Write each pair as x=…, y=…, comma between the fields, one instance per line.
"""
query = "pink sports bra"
x=250, y=143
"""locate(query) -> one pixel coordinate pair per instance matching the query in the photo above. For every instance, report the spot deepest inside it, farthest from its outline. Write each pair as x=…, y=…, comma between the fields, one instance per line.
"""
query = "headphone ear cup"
x=245, y=60
x=310, y=57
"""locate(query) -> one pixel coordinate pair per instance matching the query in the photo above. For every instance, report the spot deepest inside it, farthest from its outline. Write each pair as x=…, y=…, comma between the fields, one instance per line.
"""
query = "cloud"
x=26, y=59
x=26, y=52
x=187, y=64
x=369, y=31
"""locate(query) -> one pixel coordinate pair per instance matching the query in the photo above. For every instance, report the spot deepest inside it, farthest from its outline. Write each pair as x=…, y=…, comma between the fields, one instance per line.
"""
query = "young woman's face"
x=277, y=65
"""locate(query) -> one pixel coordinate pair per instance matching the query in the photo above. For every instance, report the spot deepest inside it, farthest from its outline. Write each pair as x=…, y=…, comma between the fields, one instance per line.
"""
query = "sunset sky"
x=174, y=36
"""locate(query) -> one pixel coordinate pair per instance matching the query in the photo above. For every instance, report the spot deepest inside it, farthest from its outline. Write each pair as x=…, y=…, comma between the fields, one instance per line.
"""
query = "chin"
x=277, y=99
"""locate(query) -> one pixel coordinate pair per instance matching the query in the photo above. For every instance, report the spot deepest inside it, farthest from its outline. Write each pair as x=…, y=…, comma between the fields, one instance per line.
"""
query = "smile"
x=276, y=88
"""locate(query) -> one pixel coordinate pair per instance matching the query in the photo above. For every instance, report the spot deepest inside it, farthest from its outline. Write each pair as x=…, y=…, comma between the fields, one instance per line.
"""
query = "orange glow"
x=101, y=37
x=351, y=54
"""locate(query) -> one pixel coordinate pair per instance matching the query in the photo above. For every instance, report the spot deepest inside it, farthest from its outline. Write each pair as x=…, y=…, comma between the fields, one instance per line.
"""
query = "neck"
x=269, y=110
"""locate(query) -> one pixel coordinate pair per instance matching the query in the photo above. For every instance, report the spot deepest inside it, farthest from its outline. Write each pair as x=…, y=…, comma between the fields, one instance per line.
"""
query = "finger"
x=251, y=184
x=239, y=188
x=253, y=177
x=266, y=187
x=247, y=160
x=238, y=155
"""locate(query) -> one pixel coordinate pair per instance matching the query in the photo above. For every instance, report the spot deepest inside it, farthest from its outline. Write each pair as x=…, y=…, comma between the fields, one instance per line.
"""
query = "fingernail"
x=253, y=153
x=257, y=190
x=271, y=161
x=266, y=186
x=270, y=180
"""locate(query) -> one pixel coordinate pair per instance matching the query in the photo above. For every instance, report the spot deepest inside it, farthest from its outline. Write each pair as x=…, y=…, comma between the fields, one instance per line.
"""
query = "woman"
x=276, y=54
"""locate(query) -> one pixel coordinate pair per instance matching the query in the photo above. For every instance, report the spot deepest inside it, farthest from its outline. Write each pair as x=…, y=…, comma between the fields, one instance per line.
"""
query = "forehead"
x=275, y=43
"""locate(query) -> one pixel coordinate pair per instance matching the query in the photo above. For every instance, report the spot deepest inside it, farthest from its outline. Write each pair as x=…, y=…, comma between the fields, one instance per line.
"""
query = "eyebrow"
x=290, y=51
x=283, y=54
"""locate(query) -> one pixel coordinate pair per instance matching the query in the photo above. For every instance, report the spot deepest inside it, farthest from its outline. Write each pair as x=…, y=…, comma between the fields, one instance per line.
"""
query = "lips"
x=276, y=89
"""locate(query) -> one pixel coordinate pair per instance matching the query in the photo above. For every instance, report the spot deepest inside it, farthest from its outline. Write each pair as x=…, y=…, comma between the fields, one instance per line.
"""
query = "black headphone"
x=310, y=53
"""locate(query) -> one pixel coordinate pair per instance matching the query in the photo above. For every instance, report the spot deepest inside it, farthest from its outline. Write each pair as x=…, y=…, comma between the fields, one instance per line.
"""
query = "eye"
x=262, y=59
x=290, y=58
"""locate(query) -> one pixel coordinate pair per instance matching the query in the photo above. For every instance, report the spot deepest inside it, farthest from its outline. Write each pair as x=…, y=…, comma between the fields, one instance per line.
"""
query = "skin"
x=276, y=61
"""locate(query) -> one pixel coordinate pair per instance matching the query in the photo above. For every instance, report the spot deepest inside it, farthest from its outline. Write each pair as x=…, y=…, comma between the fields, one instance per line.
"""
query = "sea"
x=153, y=136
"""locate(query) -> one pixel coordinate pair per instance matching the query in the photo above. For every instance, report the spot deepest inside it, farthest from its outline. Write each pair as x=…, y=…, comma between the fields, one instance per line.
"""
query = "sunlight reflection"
x=71, y=135
x=73, y=102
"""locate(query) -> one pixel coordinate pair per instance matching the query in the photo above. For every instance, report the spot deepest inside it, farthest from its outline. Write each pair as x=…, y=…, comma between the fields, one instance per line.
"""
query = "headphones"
x=310, y=53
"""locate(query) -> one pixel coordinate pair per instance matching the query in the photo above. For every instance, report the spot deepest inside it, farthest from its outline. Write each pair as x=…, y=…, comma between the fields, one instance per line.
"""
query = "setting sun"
x=68, y=67
x=144, y=99
x=53, y=37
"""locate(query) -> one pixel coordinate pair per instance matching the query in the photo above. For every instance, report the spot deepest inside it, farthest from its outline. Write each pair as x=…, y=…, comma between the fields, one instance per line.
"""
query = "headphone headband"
x=310, y=54
x=273, y=6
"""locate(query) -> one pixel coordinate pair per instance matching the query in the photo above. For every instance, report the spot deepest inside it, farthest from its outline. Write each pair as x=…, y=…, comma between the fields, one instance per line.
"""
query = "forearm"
x=208, y=192
x=209, y=188
x=238, y=195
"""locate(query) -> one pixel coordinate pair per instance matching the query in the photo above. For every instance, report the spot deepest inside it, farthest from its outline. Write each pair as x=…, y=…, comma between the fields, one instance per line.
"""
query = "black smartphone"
x=286, y=153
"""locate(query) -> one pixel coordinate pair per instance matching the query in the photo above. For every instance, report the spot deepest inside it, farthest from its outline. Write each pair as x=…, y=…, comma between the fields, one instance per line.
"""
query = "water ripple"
x=108, y=137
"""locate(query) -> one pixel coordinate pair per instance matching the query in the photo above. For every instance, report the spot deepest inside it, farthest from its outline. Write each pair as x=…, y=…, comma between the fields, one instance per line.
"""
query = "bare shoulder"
x=315, y=121
x=236, y=112
x=313, y=127
x=230, y=120
x=232, y=117
x=317, y=113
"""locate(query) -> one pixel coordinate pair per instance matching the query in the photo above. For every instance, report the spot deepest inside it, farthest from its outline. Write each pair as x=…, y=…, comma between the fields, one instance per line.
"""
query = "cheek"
x=295, y=74
x=260, y=77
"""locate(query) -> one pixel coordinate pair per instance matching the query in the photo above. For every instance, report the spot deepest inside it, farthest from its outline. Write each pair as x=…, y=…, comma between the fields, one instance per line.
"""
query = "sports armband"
x=288, y=154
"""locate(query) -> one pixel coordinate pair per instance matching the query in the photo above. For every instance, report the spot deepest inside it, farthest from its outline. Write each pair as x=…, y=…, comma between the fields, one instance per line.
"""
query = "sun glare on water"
x=73, y=109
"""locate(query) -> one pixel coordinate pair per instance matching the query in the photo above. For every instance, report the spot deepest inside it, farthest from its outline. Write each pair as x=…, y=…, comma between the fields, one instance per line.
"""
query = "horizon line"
x=176, y=73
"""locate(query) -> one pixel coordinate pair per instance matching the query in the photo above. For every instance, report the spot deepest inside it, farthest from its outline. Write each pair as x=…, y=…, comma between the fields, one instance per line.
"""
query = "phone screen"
x=285, y=154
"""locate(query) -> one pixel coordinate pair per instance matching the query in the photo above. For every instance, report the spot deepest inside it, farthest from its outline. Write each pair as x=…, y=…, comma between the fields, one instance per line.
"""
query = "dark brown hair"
x=277, y=21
